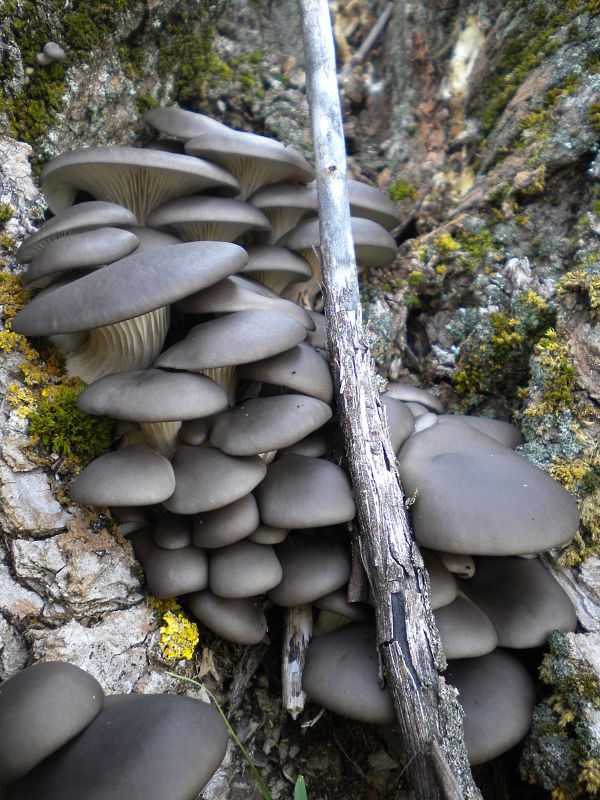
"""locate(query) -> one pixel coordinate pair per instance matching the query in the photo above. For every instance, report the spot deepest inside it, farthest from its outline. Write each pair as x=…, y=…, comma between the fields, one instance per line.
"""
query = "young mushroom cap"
x=254, y=160
x=371, y=203
x=77, y=252
x=443, y=588
x=236, y=619
x=265, y=534
x=139, y=747
x=208, y=218
x=268, y=423
x=522, y=599
x=233, y=339
x=180, y=123
x=78, y=218
x=276, y=267
x=498, y=697
x=42, y=708
x=173, y=531
x=170, y=573
x=244, y=569
x=285, y=204
x=301, y=369
x=227, y=524
x=133, y=476
x=300, y=492
x=207, y=479
x=400, y=420
x=342, y=674
x=336, y=603
x=314, y=445
x=312, y=567
x=477, y=497
x=136, y=178
x=465, y=631
x=407, y=392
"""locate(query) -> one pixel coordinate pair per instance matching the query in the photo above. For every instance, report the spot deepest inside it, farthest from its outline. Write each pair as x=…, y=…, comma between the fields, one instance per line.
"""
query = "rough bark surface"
x=406, y=631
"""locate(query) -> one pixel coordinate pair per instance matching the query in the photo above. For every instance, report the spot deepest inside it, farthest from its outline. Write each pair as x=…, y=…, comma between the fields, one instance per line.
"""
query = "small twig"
x=245, y=670
x=297, y=633
x=445, y=776
x=368, y=42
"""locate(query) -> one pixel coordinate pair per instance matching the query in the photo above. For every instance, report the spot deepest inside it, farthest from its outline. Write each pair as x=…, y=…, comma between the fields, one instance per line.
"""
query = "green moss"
x=402, y=190
x=65, y=430
x=586, y=286
x=592, y=62
x=6, y=213
x=143, y=102
x=593, y=115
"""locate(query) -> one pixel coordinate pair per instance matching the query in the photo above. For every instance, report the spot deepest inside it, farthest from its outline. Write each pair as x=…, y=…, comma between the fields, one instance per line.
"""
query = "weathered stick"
x=297, y=633
x=369, y=41
x=406, y=631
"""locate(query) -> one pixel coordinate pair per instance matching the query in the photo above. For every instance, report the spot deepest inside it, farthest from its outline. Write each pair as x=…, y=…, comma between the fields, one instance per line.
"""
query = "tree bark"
x=427, y=711
x=297, y=633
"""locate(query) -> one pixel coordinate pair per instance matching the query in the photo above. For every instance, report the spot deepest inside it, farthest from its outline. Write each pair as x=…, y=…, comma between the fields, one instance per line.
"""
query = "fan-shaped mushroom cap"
x=77, y=252
x=254, y=160
x=152, y=395
x=173, y=531
x=130, y=518
x=160, y=276
x=149, y=238
x=195, y=431
x=371, y=203
x=133, y=476
x=314, y=445
x=41, y=709
x=239, y=619
x=180, y=123
x=336, y=603
x=237, y=293
x=237, y=338
x=400, y=419
x=465, y=631
x=424, y=421
x=136, y=178
x=498, y=697
x=479, y=498
x=207, y=479
x=170, y=573
x=78, y=218
x=264, y=534
x=342, y=674
x=276, y=267
x=522, y=599
x=208, y=218
x=461, y=565
x=302, y=492
x=268, y=423
x=502, y=432
x=442, y=584
x=142, y=747
x=312, y=567
x=244, y=569
x=227, y=524
x=285, y=204
x=414, y=394
x=318, y=338
x=301, y=369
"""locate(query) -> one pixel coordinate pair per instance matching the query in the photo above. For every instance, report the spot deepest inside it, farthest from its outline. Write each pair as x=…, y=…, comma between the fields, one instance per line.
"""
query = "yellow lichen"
x=179, y=636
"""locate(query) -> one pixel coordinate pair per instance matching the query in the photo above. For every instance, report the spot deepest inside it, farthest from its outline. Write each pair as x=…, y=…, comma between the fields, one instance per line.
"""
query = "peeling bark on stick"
x=297, y=633
x=426, y=708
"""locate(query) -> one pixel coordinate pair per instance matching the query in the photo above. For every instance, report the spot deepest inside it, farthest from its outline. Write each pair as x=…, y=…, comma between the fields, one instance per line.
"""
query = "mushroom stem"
x=161, y=436
x=297, y=633
x=128, y=345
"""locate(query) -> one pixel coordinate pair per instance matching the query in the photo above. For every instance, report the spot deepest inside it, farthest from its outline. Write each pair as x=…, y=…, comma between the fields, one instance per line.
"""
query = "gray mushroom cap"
x=195, y=431
x=77, y=252
x=42, y=708
x=180, y=123
x=501, y=431
x=522, y=599
x=160, y=277
x=133, y=476
x=254, y=160
x=336, y=603
x=285, y=204
x=78, y=218
x=371, y=203
x=244, y=569
x=208, y=218
x=442, y=583
x=301, y=369
x=414, y=394
x=342, y=674
x=152, y=395
x=373, y=245
x=54, y=51
x=268, y=423
x=237, y=619
x=400, y=419
x=170, y=573
x=312, y=567
x=207, y=479
x=264, y=534
x=173, y=531
x=139, y=746
x=465, y=631
x=227, y=524
x=477, y=497
x=314, y=445
x=301, y=492
x=498, y=697
x=276, y=267
x=139, y=179
x=237, y=293
x=149, y=238
x=237, y=338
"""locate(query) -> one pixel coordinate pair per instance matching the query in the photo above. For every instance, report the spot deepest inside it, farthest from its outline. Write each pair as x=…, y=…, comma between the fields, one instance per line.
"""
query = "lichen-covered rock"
x=28, y=506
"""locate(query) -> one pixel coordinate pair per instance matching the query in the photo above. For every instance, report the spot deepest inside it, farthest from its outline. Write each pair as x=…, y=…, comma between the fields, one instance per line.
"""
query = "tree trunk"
x=427, y=711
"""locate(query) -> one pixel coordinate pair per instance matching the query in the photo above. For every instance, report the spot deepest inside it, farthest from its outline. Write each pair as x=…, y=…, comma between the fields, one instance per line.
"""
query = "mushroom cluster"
x=61, y=737
x=183, y=293
x=481, y=514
